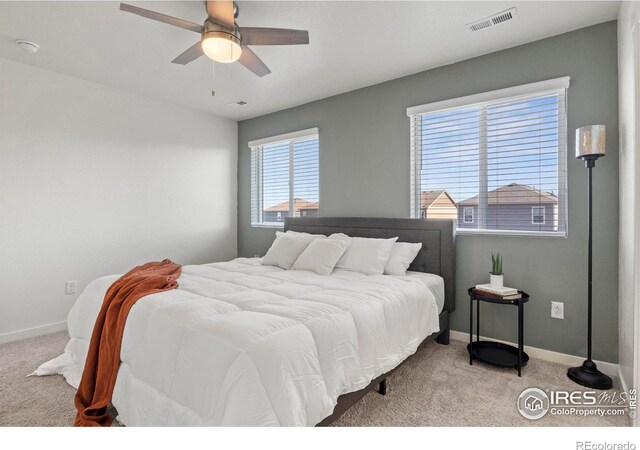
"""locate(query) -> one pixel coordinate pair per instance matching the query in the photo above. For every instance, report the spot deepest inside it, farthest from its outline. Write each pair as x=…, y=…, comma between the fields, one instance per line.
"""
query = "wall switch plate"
x=70, y=287
x=557, y=310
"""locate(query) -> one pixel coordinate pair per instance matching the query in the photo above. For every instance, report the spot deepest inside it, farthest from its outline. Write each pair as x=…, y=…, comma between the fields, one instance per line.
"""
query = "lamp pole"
x=590, y=163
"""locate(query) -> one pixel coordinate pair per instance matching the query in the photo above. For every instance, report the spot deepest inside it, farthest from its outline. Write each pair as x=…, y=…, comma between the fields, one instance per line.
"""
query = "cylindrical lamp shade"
x=591, y=141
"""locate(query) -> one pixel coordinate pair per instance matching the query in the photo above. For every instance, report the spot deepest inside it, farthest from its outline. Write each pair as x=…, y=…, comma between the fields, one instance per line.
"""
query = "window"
x=284, y=177
x=537, y=215
x=500, y=156
x=468, y=214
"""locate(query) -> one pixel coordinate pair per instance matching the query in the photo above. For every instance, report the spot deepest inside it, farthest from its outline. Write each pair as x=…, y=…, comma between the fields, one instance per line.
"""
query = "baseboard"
x=32, y=332
x=607, y=368
x=623, y=383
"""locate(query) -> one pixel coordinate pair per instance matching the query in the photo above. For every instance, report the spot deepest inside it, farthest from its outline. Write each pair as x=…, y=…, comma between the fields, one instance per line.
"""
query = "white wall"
x=93, y=181
x=629, y=186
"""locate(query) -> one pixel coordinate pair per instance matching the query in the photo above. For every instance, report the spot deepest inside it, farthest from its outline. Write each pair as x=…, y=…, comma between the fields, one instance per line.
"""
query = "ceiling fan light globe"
x=224, y=49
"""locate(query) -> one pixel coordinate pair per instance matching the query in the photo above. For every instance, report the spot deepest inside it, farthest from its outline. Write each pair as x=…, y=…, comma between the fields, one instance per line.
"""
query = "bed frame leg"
x=443, y=338
x=382, y=389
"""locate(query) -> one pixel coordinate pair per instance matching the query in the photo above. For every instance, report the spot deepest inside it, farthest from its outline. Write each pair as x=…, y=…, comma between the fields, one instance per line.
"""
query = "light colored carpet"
x=436, y=387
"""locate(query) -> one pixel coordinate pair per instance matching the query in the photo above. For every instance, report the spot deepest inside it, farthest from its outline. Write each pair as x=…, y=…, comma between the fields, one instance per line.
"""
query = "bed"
x=437, y=257
x=240, y=343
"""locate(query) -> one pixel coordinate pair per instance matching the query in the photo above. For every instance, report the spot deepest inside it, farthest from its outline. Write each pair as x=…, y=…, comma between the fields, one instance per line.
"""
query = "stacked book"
x=504, y=293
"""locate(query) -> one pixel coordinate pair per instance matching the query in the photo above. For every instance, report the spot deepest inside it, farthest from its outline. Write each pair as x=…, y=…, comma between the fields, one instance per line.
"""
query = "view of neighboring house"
x=513, y=207
x=437, y=205
x=301, y=208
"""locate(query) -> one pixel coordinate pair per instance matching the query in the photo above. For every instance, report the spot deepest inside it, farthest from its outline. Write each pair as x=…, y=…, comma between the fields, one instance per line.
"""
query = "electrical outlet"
x=70, y=287
x=557, y=310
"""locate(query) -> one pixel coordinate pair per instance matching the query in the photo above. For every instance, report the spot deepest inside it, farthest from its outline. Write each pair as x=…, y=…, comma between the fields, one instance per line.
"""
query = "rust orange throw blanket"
x=103, y=358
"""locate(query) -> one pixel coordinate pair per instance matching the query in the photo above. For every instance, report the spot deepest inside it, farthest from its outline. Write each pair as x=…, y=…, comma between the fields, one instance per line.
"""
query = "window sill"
x=268, y=225
x=534, y=234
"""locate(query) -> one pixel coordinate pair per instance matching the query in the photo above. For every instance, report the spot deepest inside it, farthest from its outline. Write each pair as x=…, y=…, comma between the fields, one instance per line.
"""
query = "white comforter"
x=239, y=343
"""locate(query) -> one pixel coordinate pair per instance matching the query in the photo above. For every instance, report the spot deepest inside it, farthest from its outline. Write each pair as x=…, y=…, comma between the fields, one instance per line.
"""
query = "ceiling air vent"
x=479, y=25
x=496, y=19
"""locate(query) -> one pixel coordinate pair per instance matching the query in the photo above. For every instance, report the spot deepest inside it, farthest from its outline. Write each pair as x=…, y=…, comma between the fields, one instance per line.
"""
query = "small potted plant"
x=496, y=275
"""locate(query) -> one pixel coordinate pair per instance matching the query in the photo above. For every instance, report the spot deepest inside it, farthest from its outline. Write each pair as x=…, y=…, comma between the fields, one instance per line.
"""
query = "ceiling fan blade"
x=273, y=36
x=161, y=18
x=222, y=12
x=251, y=61
x=191, y=54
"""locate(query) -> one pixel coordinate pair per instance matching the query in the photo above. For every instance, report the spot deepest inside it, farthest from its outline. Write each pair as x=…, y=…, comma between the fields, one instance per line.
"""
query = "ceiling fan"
x=222, y=39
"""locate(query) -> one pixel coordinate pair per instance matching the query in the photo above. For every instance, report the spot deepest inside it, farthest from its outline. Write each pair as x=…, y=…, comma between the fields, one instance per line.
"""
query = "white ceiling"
x=352, y=45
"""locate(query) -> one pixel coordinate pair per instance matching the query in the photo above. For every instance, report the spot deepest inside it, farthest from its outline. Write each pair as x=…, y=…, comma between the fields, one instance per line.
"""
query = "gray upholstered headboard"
x=437, y=255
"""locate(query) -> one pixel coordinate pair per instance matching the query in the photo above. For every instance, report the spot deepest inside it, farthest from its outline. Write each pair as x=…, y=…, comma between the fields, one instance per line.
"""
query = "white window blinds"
x=494, y=162
x=284, y=177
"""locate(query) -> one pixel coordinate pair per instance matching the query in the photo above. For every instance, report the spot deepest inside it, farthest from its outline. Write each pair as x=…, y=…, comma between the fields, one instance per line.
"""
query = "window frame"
x=464, y=214
x=256, y=167
x=544, y=215
x=558, y=86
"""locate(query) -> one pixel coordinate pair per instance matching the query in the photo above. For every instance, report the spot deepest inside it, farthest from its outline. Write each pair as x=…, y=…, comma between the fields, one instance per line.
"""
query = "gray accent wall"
x=364, y=171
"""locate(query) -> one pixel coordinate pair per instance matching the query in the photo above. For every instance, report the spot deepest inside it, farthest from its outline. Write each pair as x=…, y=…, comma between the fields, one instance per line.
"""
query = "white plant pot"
x=496, y=281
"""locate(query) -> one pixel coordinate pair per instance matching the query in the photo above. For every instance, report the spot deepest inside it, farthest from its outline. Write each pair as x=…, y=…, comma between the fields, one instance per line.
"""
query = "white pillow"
x=402, y=255
x=321, y=256
x=365, y=255
x=284, y=251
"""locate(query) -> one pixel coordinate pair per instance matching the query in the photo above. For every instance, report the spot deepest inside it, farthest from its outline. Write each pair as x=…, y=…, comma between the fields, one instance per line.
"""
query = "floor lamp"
x=590, y=145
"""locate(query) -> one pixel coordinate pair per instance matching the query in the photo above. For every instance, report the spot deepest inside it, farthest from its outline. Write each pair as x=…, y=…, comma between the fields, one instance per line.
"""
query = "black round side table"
x=497, y=353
